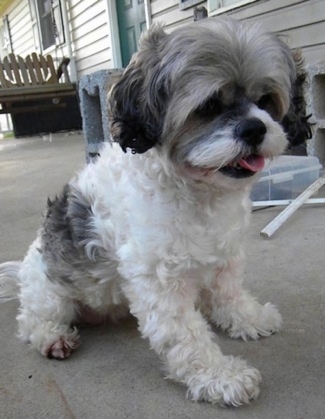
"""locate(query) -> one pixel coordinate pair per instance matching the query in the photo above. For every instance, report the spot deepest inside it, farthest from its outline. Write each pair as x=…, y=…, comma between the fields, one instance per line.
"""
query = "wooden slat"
x=32, y=96
x=30, y=68
x=24, y=72
x=3, y=81
x=44, y=88
x=33, y=108
x=37, y=67
x=7, y=67
x=15, y=69
x=54, y=77
x=44, y=66
x=35, y=96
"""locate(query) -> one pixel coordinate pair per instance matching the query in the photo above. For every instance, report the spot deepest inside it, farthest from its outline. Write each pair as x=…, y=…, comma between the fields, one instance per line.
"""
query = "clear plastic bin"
x=285, y=177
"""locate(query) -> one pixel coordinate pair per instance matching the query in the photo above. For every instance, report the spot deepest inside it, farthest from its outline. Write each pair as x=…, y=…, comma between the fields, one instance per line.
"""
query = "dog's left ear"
x=137, y=100
x=295, y=123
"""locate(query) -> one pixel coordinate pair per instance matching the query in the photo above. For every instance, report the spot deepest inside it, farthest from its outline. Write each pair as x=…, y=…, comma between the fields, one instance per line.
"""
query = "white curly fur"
x=177, y=251
x=165, y=241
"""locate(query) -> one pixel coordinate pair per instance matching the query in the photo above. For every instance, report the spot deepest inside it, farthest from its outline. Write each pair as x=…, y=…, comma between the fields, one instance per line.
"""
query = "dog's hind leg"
x=46, y=315
x=47, y=325
x=52, y=338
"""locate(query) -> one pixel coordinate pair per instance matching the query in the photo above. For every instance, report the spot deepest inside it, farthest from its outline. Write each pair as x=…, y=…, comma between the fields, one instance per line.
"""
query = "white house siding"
x=169, y=13
x=90, y=35
x=21, y=38
x=20, y=27
x=89, y=32
x=301, y=21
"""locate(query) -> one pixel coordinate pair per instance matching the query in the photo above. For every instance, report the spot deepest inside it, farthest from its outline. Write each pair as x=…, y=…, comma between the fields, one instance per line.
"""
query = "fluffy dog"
x=159, y=231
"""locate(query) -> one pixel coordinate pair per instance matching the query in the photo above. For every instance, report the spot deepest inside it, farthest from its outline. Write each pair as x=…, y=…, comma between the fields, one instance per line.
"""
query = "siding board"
x=90, y=26
x=300, y=15
x=91, y=13
x=301, y=21
x=161, y=6
x=83, y=6
x=20, y=28
x=97, y=60
x=259, y=8
x=314, y=54
x=174, y=17
x=98, y=45
x=299, y=39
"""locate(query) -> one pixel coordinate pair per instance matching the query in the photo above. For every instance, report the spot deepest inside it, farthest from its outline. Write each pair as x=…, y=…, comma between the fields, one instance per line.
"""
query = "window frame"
x=214, y=7
x=186, y=4
x=6, y=41
x=58, y=30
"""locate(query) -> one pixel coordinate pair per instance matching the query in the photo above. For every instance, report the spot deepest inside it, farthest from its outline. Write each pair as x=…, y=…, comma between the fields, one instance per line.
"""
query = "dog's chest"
x=213, y=233
x=150, y=217
x=166, y=226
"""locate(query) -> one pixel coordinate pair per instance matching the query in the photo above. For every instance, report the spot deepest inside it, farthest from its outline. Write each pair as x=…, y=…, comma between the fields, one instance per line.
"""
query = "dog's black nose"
x=251, y=131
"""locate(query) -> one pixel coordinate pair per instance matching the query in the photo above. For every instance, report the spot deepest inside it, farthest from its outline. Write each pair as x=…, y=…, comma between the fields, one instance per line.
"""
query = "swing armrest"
x=63, y=69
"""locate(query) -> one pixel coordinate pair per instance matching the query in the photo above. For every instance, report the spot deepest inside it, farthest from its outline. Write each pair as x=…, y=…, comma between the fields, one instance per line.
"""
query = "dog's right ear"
x=137, y=100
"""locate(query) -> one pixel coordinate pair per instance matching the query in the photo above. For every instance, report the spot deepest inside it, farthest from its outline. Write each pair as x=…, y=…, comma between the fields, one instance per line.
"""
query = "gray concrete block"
x=93, y=91
x=315, y=98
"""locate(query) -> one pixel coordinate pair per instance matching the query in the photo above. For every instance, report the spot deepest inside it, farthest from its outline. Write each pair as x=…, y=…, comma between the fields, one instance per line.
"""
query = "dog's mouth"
x=244, y=167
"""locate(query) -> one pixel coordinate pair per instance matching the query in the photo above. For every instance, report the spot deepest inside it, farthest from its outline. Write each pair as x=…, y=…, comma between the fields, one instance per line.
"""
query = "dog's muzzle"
x=252, y=132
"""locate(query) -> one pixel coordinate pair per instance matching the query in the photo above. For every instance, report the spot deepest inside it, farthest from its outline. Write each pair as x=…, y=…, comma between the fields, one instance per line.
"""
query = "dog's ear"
x=295, y=123
x=137, y=100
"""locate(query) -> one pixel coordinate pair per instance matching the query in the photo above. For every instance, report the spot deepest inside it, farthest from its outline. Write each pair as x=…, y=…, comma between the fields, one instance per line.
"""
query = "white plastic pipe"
x=284, y=202
x=274, y=225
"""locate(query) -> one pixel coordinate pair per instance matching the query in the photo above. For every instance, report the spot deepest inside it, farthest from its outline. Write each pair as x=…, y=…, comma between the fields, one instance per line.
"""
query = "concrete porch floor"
x=114, y=374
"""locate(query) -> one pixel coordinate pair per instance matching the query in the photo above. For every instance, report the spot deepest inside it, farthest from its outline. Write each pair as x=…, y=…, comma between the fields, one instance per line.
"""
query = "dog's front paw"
x=260, y=321
x=232, y=383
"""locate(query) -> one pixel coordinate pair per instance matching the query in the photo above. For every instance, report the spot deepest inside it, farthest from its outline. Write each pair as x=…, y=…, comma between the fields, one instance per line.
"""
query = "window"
x=185, y=4
x=46, y=23
x=219, y=6
x=49, y=22
x=5, y=38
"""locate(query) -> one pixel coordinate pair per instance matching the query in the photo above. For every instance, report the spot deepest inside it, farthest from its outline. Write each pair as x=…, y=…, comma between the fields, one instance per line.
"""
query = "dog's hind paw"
x=234, y=383
x=62, y=347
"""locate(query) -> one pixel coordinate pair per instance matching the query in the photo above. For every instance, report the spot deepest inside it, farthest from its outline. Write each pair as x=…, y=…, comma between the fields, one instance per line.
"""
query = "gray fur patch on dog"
x=66, y=230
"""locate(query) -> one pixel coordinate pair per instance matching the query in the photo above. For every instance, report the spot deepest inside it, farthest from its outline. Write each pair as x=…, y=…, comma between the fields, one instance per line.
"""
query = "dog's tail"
x=9, y=282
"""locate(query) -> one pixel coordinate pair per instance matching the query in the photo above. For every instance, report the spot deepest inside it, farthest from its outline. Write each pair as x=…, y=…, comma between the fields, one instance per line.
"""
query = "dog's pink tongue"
x=253, y=163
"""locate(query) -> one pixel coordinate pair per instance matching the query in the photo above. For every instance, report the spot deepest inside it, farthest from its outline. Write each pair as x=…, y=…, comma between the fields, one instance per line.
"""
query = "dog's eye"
x=210, y=108
x=267, y=103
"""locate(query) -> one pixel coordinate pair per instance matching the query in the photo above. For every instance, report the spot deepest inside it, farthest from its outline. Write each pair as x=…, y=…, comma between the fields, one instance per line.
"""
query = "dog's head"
x=209, y=96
